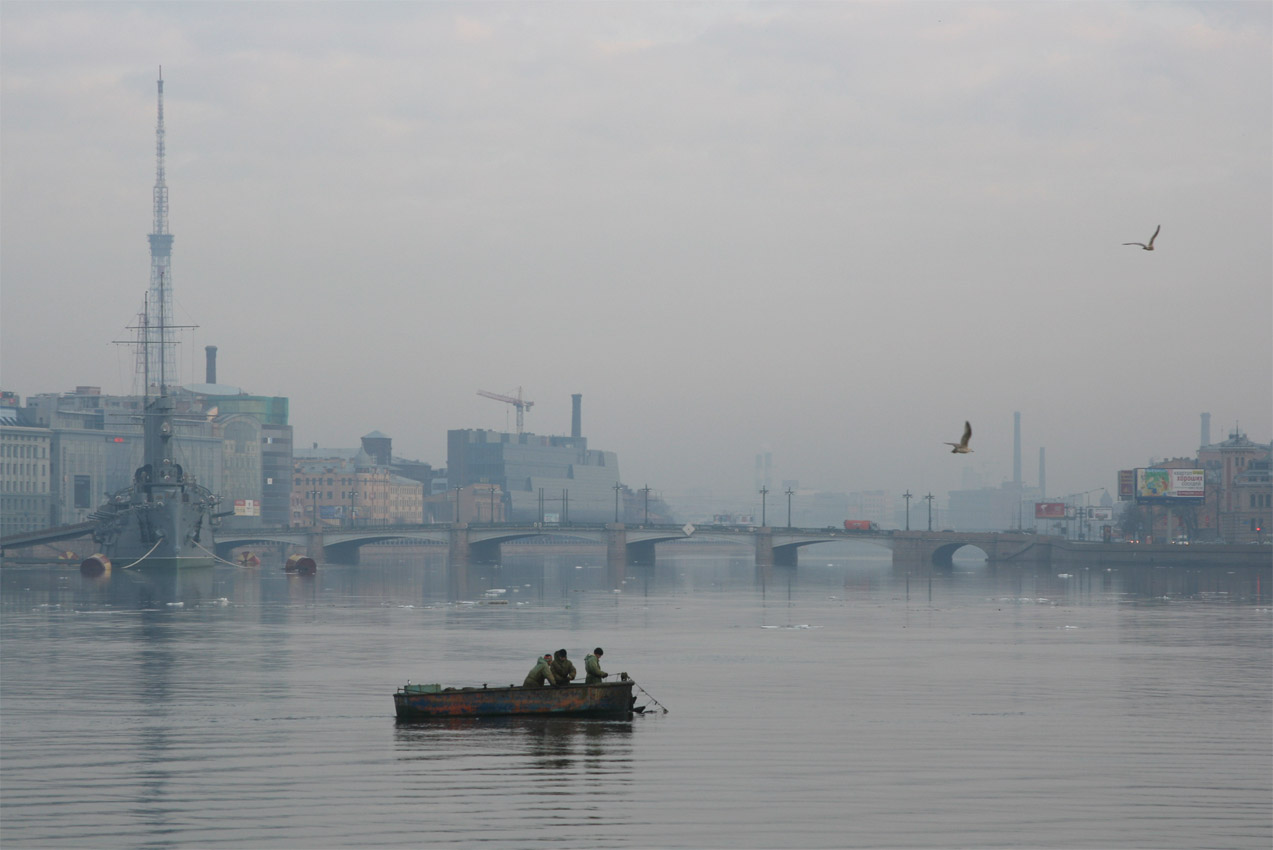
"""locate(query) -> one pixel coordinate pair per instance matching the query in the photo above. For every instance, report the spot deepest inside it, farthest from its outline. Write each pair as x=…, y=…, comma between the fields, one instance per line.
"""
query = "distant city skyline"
x=829, y=232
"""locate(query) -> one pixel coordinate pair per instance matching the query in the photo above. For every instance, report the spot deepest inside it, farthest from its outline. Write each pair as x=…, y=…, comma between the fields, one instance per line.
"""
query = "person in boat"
x=563, y=668
x=539, y=674
x=592, y=667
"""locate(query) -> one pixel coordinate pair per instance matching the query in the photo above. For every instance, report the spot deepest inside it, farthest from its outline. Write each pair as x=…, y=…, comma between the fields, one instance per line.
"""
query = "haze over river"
x=846, y=704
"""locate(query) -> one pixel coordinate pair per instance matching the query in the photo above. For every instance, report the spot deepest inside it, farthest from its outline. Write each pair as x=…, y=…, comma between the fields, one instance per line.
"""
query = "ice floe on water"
x=801, y=626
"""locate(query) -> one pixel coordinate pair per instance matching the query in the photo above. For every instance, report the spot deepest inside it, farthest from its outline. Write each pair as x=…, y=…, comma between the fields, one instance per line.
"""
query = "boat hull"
x=605, y=699
x=158, y=527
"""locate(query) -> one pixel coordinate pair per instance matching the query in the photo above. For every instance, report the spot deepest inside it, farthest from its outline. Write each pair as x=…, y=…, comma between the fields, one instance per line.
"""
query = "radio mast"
x=161, y=361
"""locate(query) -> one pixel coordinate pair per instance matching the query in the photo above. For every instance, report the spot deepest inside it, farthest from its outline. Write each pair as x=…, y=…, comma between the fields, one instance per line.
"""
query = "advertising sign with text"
x=1049, y=510
x=1169, y=485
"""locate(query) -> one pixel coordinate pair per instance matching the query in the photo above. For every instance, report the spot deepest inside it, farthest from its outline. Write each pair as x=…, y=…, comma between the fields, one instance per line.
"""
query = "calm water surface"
x=845, y=705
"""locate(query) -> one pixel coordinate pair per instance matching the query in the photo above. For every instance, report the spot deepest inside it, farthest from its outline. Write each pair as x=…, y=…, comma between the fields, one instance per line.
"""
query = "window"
x=83, y=492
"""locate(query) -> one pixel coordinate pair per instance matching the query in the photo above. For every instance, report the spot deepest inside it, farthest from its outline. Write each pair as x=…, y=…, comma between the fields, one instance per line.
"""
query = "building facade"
x=541, y=478
x=340, y=492
x=26, y=455
x=1239, y=502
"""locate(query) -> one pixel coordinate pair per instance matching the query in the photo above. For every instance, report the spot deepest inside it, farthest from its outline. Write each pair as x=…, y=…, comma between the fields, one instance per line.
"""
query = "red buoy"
x=95, y=566
x=301, y=564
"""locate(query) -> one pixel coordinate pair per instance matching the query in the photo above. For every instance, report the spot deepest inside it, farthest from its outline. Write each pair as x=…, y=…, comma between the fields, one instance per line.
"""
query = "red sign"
x=1049, y=510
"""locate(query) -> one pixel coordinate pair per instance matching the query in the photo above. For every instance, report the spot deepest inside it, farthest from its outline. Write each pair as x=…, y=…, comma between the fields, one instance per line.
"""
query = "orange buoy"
x=301, y=564
x=95, y=566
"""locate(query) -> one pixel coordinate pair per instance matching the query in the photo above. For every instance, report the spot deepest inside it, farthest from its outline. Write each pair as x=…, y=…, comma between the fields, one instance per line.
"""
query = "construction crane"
x=522, y=406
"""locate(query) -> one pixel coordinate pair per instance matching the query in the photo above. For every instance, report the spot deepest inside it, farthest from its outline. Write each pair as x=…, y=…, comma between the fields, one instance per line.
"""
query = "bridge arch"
x=944, y=556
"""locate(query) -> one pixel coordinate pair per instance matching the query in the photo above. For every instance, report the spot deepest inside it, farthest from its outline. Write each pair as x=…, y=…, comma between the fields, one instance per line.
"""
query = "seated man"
x=540, y=673
x=592, y=667
x=562, y=668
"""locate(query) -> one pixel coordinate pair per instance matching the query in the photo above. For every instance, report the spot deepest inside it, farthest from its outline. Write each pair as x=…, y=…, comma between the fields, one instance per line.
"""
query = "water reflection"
x=554, y=744
x=552, y=579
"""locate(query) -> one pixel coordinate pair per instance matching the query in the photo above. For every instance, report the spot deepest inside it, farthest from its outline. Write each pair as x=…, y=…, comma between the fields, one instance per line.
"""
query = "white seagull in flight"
x=961, y=448
x=1150, y=246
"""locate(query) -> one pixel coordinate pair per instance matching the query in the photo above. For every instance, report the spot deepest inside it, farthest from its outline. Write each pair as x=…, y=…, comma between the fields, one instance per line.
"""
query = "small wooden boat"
x=604, y=699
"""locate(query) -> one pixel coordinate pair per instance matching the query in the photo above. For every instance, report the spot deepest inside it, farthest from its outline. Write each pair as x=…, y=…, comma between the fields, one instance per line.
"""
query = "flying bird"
x=1150, y=246
x=961, y=448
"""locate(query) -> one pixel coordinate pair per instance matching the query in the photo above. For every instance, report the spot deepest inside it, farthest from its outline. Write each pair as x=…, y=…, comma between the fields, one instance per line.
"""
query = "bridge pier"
x=457, y=562
x=314, y=545
x=617, y=553
x=764, y=554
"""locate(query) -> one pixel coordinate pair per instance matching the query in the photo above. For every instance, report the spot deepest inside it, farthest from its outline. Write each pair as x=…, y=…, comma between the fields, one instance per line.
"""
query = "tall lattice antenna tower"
x=161, y=359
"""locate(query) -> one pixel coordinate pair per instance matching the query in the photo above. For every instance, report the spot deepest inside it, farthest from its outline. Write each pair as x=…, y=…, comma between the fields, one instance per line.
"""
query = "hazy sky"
x=830, y=231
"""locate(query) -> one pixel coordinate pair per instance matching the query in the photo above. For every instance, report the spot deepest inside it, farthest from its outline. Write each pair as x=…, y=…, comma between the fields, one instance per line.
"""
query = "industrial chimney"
x=1043, y=476
x=576, y=415
x=1206, y=429
x=211, y=353
x=1016, y=449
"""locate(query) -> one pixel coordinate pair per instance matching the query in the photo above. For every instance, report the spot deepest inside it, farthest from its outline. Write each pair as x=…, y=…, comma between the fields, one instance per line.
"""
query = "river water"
x=845, y=704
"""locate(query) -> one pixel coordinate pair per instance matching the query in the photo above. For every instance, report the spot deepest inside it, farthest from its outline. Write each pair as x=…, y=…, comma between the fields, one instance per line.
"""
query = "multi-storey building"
x=257, y=453
x=25, y=480
x=1239, y=502
x=537, y=475
x=344, y=492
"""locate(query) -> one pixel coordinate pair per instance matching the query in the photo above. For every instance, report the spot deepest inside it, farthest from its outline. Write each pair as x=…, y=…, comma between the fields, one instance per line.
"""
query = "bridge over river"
x=628, y=546
x=631, y=545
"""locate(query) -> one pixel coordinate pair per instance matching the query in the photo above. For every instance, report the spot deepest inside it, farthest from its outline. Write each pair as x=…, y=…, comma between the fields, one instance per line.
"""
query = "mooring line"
x=215, y=556
x=144, y=557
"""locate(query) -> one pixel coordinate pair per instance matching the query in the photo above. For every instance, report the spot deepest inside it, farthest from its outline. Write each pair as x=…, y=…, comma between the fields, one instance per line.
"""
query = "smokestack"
x=576, y=414
x=1043, y=475
x=211, y=353
x=1016, y=449
x=1206, y=429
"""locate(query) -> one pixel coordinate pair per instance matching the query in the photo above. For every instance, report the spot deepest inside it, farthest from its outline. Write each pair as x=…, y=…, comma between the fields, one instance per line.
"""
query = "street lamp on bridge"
x=764, y=491
x=789, y=491
x=907, y=496
x=929, y=497
x=646, y=492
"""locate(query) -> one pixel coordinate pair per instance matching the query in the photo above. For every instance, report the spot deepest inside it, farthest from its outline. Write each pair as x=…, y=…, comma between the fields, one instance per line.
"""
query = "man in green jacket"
x=563, y=669
x=592, y=667
x=540, y=673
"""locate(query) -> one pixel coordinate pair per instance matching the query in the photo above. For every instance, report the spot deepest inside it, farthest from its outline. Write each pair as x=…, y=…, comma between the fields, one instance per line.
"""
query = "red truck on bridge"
x=860, y=525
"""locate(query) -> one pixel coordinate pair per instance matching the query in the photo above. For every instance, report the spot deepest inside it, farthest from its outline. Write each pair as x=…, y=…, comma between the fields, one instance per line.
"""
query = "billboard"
x=1049, y=510
x=247, y=507
x=1126, y=485
x=1100, y=514
x=331, y=511
x=1169, y=485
